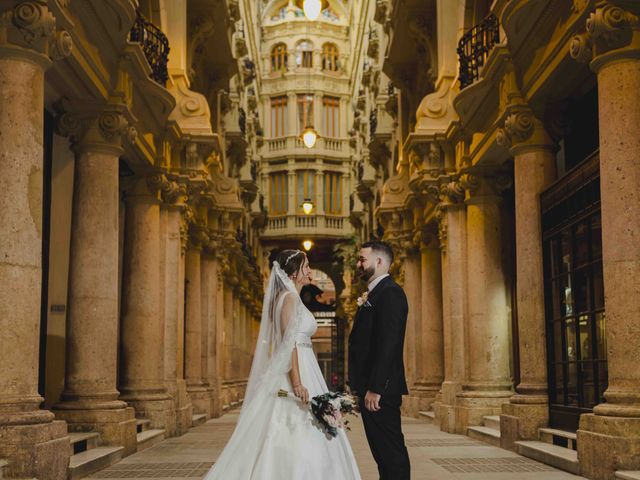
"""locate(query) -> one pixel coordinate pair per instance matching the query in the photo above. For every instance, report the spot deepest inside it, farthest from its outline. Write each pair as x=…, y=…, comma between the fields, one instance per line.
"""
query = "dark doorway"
x=574, y=294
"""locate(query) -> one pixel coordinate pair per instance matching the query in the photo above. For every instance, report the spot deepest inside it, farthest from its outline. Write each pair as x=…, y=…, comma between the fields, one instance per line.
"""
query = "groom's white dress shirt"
x=376, y=281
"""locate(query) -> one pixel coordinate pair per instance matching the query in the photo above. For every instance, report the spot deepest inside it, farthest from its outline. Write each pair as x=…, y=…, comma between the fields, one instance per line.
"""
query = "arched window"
x=279, y=57
x=304, y=54
x=330, y=57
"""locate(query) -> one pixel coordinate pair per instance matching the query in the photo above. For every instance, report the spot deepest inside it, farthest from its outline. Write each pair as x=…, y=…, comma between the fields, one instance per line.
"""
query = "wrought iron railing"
x=155, y=45
x=474, y=48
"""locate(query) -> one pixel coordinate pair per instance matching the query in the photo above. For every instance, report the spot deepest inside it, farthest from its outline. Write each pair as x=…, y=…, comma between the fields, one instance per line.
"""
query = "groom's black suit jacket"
x=377, y=340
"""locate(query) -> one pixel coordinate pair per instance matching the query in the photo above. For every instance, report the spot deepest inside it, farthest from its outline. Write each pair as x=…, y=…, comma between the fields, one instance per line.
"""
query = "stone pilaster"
x=534, y=170
x=90, y=398
x=193, y=322
x=488, y=384
x=142, y=376
x=612, y=44
x=34, y=444
x=452, y=226
x=430, y=343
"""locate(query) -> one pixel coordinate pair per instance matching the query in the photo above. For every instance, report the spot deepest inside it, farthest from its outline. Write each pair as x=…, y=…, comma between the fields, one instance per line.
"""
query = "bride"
x=275, y=438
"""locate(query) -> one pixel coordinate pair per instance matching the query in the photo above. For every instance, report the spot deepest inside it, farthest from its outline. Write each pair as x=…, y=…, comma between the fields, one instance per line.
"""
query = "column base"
x=214, y=392
x=182, y=406
x=444, y=407
x=39, y=450
x=200, y=399
x=421, y=398
x=521, y=421
x=116, y=426
x=472, y=406
x=607, y=444
x=157, y=408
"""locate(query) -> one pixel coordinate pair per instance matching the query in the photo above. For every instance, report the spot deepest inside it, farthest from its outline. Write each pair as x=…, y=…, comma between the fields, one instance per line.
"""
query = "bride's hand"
x=301, y=392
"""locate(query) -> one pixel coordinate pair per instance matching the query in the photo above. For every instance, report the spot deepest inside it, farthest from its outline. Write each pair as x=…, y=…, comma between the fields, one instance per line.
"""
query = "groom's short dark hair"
x=381, y=248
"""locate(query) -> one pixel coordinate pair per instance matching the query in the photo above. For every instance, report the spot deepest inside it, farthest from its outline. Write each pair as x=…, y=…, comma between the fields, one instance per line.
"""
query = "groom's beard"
x=366, y=273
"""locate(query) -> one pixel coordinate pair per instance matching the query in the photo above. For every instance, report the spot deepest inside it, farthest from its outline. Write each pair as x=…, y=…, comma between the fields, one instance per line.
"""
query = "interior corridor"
x=435, y=455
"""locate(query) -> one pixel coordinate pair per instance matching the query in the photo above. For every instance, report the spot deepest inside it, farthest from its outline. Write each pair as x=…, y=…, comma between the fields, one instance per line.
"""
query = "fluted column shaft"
x=27, y=47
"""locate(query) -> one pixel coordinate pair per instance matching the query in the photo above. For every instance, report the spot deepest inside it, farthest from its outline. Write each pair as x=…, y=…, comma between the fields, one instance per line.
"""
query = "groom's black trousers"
x=384, y=434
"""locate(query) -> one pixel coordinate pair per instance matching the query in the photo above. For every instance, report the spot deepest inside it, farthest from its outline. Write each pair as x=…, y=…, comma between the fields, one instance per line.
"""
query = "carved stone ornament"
x=609, y=27
x=31, y=25
x=441, y=218
x=109, y=128
x=519, y=125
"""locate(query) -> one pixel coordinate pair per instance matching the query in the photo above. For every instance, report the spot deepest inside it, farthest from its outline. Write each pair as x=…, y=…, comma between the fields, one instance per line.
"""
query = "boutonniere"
x=362, y=298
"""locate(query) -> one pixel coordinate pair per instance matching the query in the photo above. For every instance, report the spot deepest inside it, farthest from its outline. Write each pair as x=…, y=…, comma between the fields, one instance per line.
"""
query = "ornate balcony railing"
x=155, y=45
x=474, y=48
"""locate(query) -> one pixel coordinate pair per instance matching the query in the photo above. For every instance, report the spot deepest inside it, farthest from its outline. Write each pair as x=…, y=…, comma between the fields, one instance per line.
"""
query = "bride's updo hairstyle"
x=291, y=261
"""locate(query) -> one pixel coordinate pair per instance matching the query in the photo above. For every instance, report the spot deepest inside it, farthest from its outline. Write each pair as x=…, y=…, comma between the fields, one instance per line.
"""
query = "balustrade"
x=155, y=45
x=474, y=48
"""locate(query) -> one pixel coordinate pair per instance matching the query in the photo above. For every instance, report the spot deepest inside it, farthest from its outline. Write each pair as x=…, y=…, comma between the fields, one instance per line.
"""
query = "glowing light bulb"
x=307, y=206
x=312, y=9
x=307, y=245
x=309, y=137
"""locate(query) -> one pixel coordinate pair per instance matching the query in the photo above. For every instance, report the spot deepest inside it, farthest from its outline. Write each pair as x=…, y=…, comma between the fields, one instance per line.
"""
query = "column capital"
x=107, y=129
x=612, y=34
x=29, y=30
x=522, y=131
x=486, y=187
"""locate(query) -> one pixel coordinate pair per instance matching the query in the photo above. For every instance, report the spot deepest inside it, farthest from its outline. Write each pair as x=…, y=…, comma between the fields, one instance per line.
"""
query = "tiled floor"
x=435, y=455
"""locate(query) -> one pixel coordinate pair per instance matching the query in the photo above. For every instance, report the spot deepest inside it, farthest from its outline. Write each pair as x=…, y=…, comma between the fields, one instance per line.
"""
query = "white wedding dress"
x=276, y=437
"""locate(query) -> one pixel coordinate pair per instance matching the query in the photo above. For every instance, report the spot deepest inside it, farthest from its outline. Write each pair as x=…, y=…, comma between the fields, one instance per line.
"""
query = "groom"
x=376, y=368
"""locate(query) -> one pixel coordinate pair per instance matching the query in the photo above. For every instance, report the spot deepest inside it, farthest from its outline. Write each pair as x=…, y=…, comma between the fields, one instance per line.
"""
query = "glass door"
x=574, y=295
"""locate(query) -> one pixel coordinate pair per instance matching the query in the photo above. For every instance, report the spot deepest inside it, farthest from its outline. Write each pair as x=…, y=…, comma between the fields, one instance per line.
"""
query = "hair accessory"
x=291, y=256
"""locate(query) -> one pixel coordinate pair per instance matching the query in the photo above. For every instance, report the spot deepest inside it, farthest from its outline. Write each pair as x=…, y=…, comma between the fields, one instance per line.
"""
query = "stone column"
x=411, y=287
x=212, y=369
x=173, y=294
x=430, y=341
x=488, y=383
x=534, y=170
x=142, y=376
x=193, y=323
x=90, y=398
x=451, y=215
x=227, y=338
x=34, y=444
x=608, y=439
x=209, y=297
x=220, y=328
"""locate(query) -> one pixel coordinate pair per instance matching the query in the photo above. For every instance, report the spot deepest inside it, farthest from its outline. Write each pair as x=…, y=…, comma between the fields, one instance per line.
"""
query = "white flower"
x=362, y=298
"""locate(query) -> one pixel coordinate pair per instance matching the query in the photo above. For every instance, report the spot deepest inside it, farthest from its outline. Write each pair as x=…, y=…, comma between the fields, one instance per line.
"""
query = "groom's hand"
x=372, y=401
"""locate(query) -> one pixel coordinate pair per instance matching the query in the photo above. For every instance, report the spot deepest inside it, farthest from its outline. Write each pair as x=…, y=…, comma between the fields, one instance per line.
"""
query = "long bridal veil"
x=271, y=360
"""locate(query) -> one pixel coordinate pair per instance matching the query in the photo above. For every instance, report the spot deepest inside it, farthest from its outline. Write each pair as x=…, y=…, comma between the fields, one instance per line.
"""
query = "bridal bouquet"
x=330, y=409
